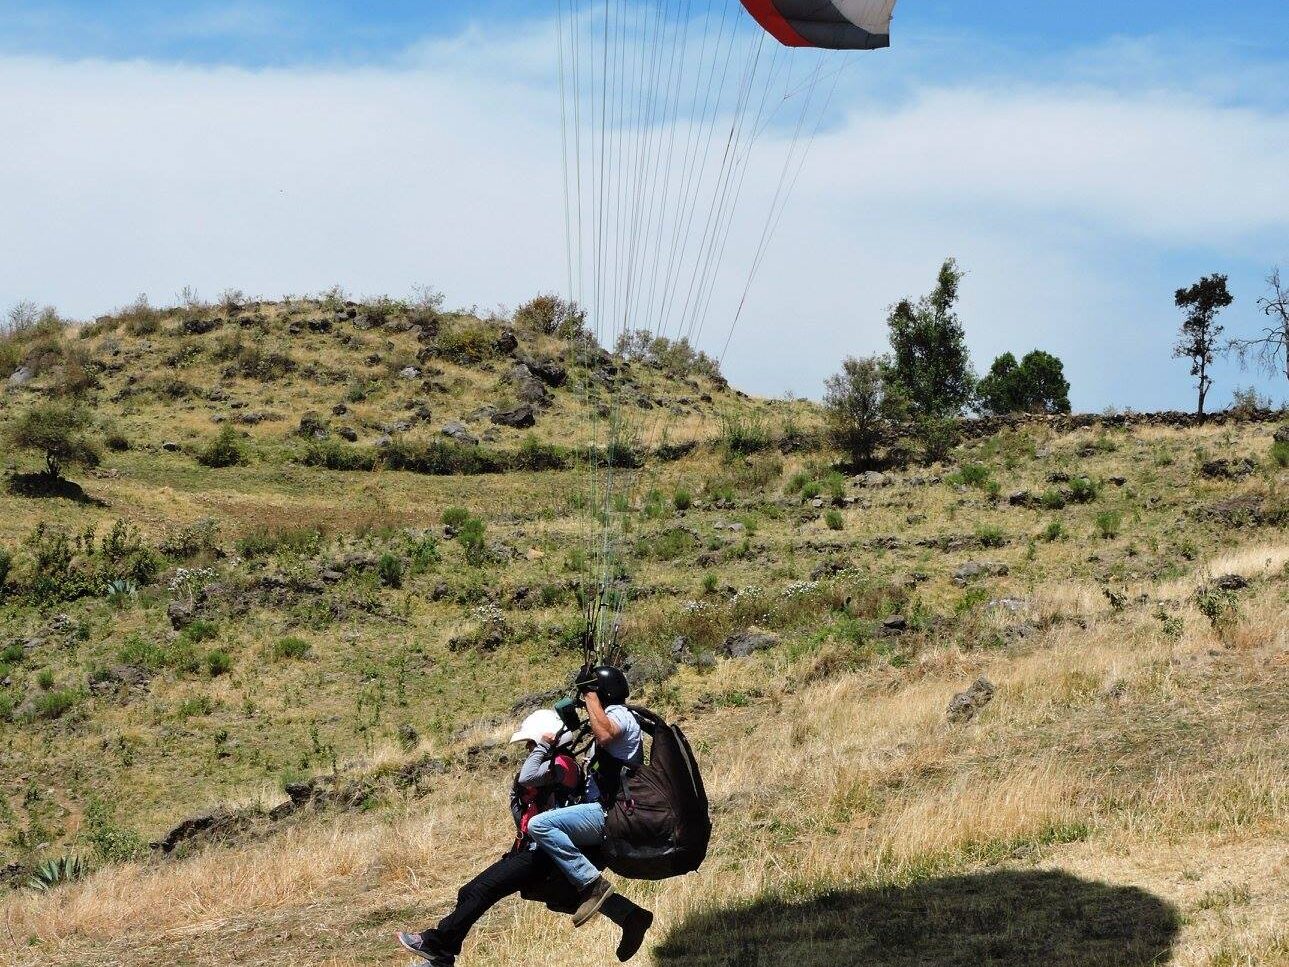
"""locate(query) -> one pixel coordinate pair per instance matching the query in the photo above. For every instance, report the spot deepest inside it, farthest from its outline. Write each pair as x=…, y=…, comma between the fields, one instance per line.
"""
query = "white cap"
x=537, y=726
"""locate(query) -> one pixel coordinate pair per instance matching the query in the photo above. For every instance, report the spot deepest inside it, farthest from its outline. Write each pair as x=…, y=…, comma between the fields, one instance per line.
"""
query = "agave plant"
x=65, y=869
x=121, y=591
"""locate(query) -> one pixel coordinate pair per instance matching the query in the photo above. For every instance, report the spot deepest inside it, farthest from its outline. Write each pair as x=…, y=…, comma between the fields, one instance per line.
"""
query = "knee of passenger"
x=538, y=827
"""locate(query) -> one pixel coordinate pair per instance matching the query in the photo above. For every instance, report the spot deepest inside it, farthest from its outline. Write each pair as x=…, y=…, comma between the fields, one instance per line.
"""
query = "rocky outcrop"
x=753, y=639
x=965, y=706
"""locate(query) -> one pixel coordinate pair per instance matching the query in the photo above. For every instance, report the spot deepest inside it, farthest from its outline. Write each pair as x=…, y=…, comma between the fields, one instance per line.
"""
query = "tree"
x=1199, y=334
x=1270, y=348
x=1036, y=384
x=858, y=406
x=58, y=431
x=929, y=363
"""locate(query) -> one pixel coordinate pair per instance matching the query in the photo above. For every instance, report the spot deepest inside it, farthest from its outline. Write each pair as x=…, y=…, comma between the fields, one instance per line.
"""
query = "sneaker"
x=634, y=928
x=591, y=899
x=426, y=949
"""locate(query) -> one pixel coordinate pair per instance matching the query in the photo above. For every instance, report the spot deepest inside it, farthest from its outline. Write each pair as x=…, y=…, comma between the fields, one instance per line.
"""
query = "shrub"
x=390, y=570
x=55, y=873
x=859, y=407
x=334, y=455
x=1054, y=531
x=971, y=475
x=423, y=554
x=676, y=357
x=1280, y=454
x=1036, y=384
x=441, y=458
x=742, y=435
x=6, y=564
x=466, y=343
x=709, y=583
x=225, y=450
x=1052, y=499
x=671, y=544
x=116, y=441
x=834, y=520
x=60, y=432
x=533, y=455
x=471, y=535
x=263, y=365
x=291, y=648
x=1108, y=523
x=186, y=541
x=1083, y=490
x=140, y=318
x=218, y=662
x=263, y=541
x=682, y=500
x=552, y=316
x=990, y=535
x=55, y=704
x=455, y=517
x=45, y=678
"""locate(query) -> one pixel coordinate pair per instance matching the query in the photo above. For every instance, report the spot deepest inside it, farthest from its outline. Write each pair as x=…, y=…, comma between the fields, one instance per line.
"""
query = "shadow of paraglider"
x=1006, y=918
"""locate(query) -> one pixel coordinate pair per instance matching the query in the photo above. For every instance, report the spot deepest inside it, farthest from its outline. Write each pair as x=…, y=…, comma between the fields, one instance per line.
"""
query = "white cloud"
x=1074, y=208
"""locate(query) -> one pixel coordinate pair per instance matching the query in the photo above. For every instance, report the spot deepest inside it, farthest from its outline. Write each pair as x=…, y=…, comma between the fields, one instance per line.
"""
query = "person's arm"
x=603, y=728
x=537, y=767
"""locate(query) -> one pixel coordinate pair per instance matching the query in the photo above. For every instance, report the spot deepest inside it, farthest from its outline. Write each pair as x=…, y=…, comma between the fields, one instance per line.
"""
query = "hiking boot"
x=634, y=928
x=591, y=899
x=426, y=948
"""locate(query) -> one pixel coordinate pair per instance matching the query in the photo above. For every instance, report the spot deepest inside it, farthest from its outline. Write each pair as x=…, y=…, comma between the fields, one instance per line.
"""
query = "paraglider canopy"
x=832, y=24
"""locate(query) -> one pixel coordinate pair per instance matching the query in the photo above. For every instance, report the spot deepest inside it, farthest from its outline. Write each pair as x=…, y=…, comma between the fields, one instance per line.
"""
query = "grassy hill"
x=308, y=663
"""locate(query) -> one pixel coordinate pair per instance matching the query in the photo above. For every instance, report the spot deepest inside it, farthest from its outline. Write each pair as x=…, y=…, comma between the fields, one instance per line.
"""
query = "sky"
x=1080, y=161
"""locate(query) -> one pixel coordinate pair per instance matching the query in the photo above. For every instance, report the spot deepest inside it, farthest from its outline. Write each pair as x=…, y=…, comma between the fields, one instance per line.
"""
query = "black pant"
x=528, y=870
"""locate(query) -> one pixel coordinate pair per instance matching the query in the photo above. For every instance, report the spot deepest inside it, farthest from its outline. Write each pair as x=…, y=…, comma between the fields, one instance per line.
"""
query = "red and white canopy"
x=834, y=24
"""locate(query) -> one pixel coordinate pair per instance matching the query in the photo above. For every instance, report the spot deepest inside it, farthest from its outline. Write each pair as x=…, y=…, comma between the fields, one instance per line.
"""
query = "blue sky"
x=276, y=32
x=1081, y=160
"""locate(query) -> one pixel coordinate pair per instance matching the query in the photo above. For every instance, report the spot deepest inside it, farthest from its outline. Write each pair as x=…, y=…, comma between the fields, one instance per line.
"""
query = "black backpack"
x=659, y=826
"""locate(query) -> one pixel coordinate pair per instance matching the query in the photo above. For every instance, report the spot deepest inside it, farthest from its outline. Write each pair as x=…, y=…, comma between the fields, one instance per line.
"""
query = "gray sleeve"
x=537, y=767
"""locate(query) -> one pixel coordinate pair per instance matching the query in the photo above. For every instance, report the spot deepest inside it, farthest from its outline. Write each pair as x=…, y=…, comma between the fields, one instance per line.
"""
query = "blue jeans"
x=560, y=832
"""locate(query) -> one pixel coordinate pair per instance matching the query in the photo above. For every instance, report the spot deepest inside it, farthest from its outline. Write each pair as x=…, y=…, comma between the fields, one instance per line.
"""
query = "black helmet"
x=607, y=682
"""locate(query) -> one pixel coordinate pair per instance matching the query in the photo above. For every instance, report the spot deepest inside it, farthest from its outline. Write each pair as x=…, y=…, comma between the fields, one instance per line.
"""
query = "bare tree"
x=1270, y=348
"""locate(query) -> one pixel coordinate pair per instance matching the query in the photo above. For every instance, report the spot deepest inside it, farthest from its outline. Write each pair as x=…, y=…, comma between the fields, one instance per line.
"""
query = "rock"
x=1020, y=498
x=121, y=676
x=964, y=706
x=1282, y=434
x=507, y=342
x=528, y=388
x=896, y=622
x=199, y=327
x=410, y=372
x=549, y=371
x=170, y=446
x=330, y=576
x=520, y=418
x=21, y=376
x=874, y=478
x=681, y=649
x=311, y=426
x=1012, y=605
x=740, y=644
x=348, y=433
x=1228, y=469
x=340, y=409
x=457, y=431
x=1230, y=582
x=974, y=569
x=644, y=670
x=206, y=823
x=1117, y=481
x=384, y=441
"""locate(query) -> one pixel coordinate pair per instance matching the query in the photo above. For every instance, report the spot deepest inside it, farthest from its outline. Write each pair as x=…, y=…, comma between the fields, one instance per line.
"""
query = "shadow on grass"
x=1000, y=918
x=43, y=485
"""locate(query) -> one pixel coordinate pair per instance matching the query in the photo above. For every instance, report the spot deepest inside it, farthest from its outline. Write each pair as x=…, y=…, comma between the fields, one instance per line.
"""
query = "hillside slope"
x=314, y=666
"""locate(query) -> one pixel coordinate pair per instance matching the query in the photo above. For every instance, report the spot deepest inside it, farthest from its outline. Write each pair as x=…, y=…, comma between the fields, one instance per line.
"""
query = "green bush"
x=533, y=455
x=1280, y=454
x=466, y=343
x=218, y=662
x=390, y=570
x=1054, y=531
x=201, y=630
x=422, y=553
x=6, y=565
x=55, y=704
x=455, y=517
x=334, y=455
x=471, y=536
x=682, y=500
x=1108, y=523
x=45, y=678
x=442, y=458
x=742, y=435
x=834, y=520
x=1083, y=490
x=261, y=542
x=671, y=544
x=1052, y=499
x=225, y=450
x=990, y=535
x=971, y=475
x=116, y=441
x=59, y=432
x=291, y=648
x=709, y=583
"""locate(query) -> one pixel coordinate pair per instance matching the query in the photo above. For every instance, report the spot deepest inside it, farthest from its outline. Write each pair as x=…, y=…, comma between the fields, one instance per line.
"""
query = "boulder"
x=1020, y=498
x=311, y=426
x=520, y=418
x=21, y=376
x=549, y=371
x=348, y=433
x=170, y=447
x=507, y=342
x=975, y=569
x=456, y=430
x=753, y=639
x=1282, y=434
x=644, y=670
x=896, y=622
x=1230, y=582
x=410, y=372
x=528, y=388
x=1228, y=469
x=874, y=478
x=964, y=706
x=199, y=327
